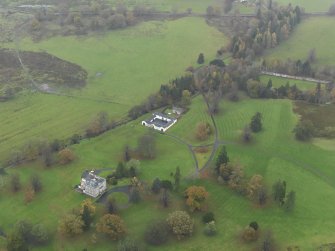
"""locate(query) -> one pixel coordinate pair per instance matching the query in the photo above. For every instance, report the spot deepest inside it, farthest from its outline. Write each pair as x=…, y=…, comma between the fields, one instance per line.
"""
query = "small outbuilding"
x=177, y=110
x=159, y=121
x=92, y=185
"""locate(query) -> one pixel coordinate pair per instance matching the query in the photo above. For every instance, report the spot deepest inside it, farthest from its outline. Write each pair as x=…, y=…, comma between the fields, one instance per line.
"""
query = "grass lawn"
x=326, y=144
x=275, y=140
x=309, y=5
x=134, y=62
x=186, y=126
x=278, y=81
x=312, y=33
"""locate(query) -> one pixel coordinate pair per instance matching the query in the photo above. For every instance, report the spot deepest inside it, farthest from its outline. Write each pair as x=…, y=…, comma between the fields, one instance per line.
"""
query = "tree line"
x=268, y=29
x=82, y=17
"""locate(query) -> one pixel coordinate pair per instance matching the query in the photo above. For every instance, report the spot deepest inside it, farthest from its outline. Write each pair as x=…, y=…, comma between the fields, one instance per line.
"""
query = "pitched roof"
x=92, y=180
x=159, y=122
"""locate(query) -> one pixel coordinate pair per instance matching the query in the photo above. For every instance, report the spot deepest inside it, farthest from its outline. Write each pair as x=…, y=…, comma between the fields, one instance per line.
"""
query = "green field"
x=309, y=5
x=312, y=33
x=134, y=62
x=278, y=81
x=274, y=153
x=42, y=116
x=186, y=126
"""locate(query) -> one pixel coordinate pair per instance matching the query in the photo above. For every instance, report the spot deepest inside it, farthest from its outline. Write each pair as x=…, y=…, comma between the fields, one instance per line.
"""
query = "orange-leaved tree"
x=195, y=197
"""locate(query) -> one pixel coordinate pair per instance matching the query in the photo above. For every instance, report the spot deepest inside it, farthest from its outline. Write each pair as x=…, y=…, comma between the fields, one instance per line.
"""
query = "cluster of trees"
x=48, y=152
x=318, y=95
x=216, y=11
x=129, y=169
x=304, y=130
x=25, y=235
x=30, y=190
x=99, y=125
x=304, y=68
x=178, y=223
x=284, y=199
x=79, y=220
x=233, y=176
x=267, y=30
x=178, y=91
x=255, y=126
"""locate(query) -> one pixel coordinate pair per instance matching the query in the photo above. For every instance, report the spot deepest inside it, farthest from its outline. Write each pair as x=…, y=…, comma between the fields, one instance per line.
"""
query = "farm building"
x=92, y=185
x=177, y=110
x=159, y=121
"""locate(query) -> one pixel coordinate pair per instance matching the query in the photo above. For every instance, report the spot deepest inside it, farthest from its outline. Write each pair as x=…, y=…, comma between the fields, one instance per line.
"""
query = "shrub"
x=15, y=183
x=147, y=146
x=201, y=58
x=36, y=183
x=111, y=206
x=166, y=184
x=39, y=234
x=29, y=194
x=134, y=196
x=246, y=135
x=66, y=156
x=180, y=224
x=256, y=122
x=156, y=186
x=254, y=225
x=304, y=130
x=71, y=225
x=208, y=217
x=112, y=225
x=203, y=131
x=217, y=62
x=210, y=228
x=250, y=234
x=156, y=233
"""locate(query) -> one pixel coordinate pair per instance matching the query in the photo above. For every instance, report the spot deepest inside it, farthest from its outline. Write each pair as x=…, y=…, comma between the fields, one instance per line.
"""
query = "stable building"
x=159, y=121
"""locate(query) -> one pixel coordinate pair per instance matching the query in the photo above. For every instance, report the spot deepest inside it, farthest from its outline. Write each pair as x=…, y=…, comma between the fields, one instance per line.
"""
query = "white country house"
x=92, y=185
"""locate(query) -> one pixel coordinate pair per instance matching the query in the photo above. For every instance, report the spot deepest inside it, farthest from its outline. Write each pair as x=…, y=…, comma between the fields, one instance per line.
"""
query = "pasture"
x=186, y=125
x=318, y=33
x=134, y=62
x=124, y=67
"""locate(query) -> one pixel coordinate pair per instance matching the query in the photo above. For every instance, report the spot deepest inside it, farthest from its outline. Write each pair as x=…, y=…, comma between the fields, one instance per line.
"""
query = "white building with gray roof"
x=92, y=185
